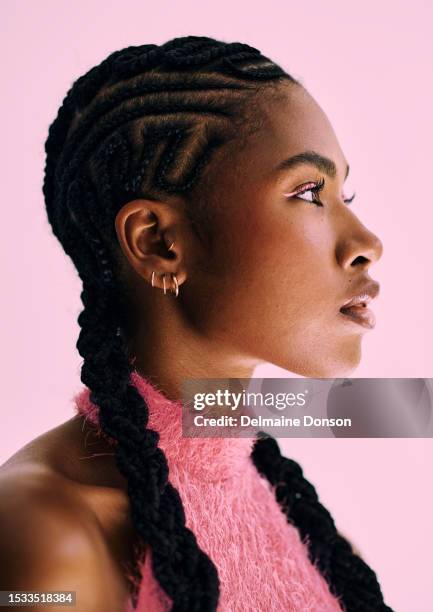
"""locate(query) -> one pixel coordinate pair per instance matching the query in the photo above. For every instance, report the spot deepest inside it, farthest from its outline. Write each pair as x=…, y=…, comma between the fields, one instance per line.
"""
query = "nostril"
x=360, y=259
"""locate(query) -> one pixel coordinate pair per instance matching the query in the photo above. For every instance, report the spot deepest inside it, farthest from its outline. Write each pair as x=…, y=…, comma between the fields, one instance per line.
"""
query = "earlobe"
x=174, y=289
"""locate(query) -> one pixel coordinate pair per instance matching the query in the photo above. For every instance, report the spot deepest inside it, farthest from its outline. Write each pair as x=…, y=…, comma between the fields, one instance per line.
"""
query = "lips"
x=355, y=308
x=360, y=314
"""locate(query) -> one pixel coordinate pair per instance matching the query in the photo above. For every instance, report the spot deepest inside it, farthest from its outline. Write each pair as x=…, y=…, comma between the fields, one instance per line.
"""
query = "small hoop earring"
x=171, y=246
x=176, y=285
x=175, y=281
x=150, y=225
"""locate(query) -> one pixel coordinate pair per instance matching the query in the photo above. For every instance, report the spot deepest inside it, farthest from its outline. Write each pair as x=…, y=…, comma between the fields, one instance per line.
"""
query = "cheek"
x=271, y=290
x=277, y=276
x=293, y=261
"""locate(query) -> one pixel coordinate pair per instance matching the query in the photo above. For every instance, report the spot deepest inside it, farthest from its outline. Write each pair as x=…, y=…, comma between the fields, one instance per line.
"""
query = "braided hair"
x=145, y=123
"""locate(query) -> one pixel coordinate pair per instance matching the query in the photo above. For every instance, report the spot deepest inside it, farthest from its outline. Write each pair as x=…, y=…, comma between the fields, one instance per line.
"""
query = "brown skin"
x=64, y=519
x=275, y=274
x=266, y=287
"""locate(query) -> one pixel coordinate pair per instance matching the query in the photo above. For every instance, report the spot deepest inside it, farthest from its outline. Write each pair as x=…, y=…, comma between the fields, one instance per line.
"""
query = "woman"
x=198, y=189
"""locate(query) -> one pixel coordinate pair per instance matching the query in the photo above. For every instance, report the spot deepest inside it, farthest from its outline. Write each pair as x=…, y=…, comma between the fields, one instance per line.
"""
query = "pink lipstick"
x=356, y=308
x=359, y=313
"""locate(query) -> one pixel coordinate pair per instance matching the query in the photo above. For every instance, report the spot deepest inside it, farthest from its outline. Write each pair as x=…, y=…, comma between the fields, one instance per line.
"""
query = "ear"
x=151, y=236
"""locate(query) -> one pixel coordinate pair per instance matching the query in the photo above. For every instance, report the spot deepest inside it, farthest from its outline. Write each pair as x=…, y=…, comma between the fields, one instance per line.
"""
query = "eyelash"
x=315, y=189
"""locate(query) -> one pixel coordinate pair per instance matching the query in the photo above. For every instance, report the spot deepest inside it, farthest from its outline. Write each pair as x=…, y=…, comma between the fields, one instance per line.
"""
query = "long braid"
x=146, y=122
x=348, y=576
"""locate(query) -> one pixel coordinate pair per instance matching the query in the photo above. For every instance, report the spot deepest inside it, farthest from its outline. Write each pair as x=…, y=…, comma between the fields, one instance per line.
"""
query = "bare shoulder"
x=50, y=540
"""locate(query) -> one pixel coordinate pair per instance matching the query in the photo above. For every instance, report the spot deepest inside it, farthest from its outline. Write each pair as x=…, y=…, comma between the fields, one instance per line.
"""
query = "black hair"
x=143, y=123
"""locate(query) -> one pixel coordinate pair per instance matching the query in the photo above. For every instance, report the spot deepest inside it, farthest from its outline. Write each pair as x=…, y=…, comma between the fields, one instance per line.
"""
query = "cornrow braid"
x=143, y=123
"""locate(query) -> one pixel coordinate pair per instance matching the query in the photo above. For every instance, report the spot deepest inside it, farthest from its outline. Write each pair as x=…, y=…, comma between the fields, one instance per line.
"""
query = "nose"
x=358, y=246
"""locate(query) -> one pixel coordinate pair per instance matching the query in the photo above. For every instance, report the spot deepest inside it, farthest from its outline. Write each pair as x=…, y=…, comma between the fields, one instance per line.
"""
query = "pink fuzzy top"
x=232, y=510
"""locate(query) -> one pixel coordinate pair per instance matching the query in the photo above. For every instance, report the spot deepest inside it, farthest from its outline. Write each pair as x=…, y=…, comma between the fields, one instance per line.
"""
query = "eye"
x=308, y=192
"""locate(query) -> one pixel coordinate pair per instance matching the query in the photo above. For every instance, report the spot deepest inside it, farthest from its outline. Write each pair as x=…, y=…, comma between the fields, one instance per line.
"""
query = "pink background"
x=368, y=66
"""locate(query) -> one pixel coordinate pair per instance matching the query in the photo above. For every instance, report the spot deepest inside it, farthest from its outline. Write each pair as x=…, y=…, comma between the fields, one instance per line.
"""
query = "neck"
x=168, y=352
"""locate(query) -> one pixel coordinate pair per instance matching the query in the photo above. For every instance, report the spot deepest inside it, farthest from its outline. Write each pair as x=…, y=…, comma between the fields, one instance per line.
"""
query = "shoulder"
x=49, y=540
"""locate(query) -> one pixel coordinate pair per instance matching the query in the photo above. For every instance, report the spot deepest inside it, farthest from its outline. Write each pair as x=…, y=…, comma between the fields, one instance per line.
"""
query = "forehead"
x=291, y=123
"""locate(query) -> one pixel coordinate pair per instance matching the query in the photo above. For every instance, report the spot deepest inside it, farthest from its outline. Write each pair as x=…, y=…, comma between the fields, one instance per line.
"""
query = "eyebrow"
x=324, y=164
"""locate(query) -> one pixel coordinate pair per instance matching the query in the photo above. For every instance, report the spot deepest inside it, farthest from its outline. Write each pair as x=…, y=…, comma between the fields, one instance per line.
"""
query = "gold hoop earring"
x=171, y=246
x=176, y=285
x=175, y=281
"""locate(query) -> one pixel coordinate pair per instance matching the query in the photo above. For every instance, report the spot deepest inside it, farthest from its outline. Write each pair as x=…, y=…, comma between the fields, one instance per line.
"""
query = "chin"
x=337, y=366
x=338, y=363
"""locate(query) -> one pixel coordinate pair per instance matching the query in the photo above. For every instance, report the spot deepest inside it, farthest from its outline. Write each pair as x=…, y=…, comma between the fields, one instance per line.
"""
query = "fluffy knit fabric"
x=262, y=563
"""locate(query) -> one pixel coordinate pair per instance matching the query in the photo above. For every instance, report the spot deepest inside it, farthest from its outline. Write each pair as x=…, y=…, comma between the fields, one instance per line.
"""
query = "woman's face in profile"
x=284, y=259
